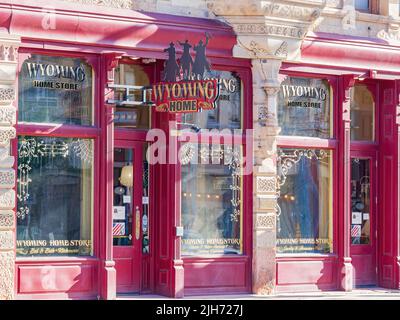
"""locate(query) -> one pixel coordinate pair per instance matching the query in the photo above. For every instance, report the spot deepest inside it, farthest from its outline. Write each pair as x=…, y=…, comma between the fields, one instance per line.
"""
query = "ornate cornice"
x=296, y=10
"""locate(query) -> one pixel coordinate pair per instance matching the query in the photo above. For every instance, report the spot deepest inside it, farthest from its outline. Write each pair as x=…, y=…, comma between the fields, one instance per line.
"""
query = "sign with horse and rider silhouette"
x=184, y=88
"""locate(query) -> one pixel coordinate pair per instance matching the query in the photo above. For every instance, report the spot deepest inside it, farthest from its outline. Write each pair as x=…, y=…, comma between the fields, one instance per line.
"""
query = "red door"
x=363, y=218
x=127, y=235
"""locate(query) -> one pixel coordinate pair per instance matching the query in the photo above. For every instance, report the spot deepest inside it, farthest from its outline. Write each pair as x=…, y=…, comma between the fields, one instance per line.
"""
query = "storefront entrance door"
x=127, y=203
x=363, y=218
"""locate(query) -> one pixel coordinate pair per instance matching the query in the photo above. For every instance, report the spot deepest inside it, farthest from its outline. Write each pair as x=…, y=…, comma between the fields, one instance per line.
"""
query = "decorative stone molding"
x=6, y=275
x=8, y=70
x=266, y=184
x=7, y=199
x=298, y=32
x=297, y=10
x=120, y=4
x=6, y=134
x=7, y=95
x=265, y=221
x=6, y=240
x=7, y=116
x=6, y=219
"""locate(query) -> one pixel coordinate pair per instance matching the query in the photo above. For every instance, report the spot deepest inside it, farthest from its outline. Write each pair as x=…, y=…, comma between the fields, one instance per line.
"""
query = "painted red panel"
x=215, y=274
x=305, y=272
x=124, y=270
x=55, y=278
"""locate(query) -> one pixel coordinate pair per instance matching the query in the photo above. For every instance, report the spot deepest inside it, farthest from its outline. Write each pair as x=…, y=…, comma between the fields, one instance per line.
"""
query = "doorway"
x=129, y=223
x=363, y=218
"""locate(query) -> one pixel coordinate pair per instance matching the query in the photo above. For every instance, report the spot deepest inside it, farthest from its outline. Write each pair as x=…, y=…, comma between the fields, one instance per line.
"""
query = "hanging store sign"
x=184, y=88
x=190, y=96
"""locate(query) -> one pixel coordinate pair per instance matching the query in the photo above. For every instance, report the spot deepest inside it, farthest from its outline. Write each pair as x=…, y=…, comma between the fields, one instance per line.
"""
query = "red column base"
x=346, y=275
x=108, y=289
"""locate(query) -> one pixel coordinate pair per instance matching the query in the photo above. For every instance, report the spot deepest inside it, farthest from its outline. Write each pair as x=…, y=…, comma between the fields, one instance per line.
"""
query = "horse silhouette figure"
x=171, y=69
x=186, y=60
x=200, y=60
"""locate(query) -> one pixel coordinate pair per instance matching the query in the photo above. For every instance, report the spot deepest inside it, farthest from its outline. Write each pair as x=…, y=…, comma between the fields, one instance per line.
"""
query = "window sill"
x=55, y=259
x=306, y=255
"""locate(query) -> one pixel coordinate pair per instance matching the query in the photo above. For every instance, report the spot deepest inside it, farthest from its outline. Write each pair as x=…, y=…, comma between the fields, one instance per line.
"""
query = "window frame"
x=373, y=7
x=246, y=180
x=332, y=144
x=68, y=131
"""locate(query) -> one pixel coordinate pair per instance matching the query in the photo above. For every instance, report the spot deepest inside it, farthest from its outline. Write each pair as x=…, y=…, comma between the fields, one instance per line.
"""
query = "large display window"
x=305, y=166
x=56, y=163
x=211, y=201
x=305, y=202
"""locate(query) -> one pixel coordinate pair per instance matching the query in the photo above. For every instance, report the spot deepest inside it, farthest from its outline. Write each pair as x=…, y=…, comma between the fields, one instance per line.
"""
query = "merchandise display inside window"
x=55, y=90
x=211, y=201
x=123, y=193
x=360, y=201
x=55, y=196
x=304, y=108
x=304, y=219
x=227, y=114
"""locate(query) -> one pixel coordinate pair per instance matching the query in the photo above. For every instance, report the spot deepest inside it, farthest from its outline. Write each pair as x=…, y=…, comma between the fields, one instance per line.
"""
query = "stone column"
x=8, y=68
x=265, y=88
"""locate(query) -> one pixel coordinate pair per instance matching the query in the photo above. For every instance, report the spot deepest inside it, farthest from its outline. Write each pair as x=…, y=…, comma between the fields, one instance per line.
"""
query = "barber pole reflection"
x=118, y=228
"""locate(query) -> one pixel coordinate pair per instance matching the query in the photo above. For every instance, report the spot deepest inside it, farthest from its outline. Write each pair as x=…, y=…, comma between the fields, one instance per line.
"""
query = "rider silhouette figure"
x=171, y=67
x=200, y=61
x=186, y=60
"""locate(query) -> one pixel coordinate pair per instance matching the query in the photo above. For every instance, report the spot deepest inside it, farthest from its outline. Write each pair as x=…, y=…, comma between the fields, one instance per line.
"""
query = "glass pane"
x=305, y=202
x=211, y=202
x=361, y=4
x=131, y=116
x=360, y=201
x=55, y=90
x=123, y=197
x=55, y=196
x=145, y=215
x=304, y=108
x=362, y=113
x=227, y=114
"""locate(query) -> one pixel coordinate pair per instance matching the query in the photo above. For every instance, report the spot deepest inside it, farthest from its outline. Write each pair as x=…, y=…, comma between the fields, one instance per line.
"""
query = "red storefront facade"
x=154, y=259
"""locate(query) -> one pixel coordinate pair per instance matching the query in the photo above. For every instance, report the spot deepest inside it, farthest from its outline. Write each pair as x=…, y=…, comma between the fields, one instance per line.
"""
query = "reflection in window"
x=123, y=193
x=55, y=90
x=227, y=114
x=304, y=108
x=305, y=202
x=131, y=116
x=362, y=111
x=211, y=202
x=55, y=196
x=360, y=201
x=362, y=5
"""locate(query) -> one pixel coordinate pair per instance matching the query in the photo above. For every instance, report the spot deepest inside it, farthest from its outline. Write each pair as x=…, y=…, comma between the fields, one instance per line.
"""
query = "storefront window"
x=55, y=196
x=304, y=108
x=131, y=116
x=211, y=201
x=227, y=114
x=55, y=90
x=305, y=203
x=362, y=111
